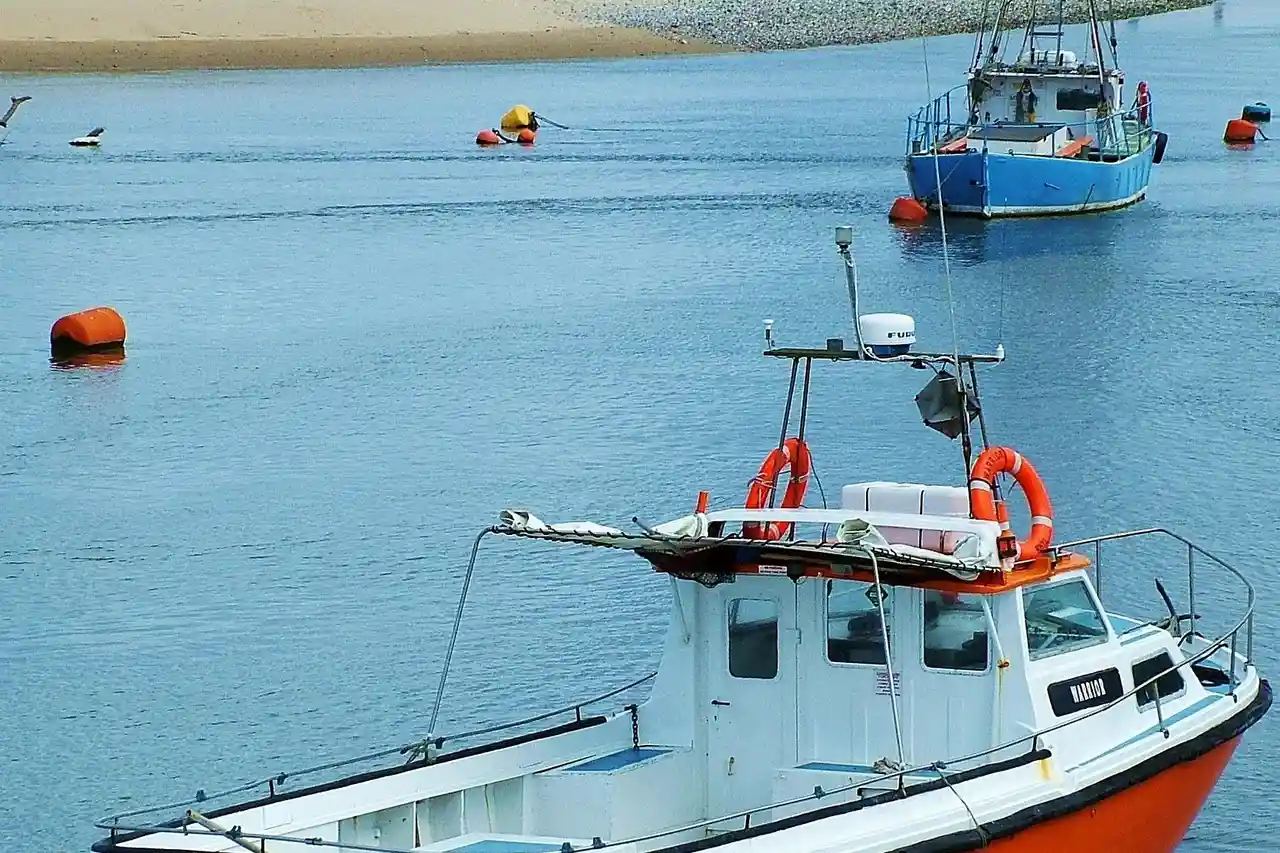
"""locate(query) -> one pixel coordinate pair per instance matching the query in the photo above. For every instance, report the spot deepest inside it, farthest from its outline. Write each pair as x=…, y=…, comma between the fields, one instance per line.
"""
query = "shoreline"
x=29, y=56
x=153, y=37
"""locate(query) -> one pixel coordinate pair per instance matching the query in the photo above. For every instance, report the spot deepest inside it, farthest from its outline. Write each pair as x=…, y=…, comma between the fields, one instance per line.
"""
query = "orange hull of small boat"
x=1151, y=817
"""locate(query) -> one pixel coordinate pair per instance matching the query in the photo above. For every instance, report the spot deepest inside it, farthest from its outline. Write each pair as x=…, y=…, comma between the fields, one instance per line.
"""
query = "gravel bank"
x=786, y=24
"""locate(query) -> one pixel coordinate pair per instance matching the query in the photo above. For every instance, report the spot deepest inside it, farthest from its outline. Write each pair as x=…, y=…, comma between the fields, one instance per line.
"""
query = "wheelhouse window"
x=955, y=632
x=1061, y=618
x=753, y=638
x=853, y=623
x=1167, y=685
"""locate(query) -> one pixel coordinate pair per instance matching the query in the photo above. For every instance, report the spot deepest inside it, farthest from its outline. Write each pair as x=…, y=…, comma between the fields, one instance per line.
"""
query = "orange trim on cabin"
x=1150, y=817
x=1071, y=149
x=989, y=583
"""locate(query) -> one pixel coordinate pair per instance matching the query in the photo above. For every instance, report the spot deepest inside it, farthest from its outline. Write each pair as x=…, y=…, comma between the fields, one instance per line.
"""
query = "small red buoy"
x=1239, y=130
x=93, y=330
x=526, y=136
x=704, y=498
x=487, y=137
x=907, y=210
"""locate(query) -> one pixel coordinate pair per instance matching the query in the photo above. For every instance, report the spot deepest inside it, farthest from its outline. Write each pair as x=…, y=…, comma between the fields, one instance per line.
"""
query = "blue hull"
x=986, y=184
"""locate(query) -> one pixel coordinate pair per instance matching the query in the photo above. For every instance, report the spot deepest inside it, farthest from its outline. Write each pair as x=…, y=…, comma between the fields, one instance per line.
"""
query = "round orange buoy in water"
x=87, y=331
x=908, y=210
x=526, y=136
x=487, y=137
x=1239, y=130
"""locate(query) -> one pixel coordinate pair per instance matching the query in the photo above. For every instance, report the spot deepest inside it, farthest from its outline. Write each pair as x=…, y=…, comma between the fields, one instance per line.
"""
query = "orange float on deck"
x=793, y=454
x=487, y=137
x=87, y=331
x=1239, y=130
x=1004, y=460
x=907, y=210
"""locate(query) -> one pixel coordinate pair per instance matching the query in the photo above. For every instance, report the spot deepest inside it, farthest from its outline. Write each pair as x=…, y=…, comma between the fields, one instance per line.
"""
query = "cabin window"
x=955, y=632
x=753, y=638
x=1061, y=618
x=1079, y=100
x=853, y=623
x=1169, y=684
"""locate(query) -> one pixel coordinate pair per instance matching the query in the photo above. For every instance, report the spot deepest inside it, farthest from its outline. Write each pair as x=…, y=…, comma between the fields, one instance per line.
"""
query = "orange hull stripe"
x=1150, y=817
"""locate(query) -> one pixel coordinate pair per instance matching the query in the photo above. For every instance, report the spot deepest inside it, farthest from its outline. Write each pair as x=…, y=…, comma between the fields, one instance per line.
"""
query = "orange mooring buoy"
x=487, y=137
x=906, y=209
x=87, y=331
x=526, y=136
x=1239, y=130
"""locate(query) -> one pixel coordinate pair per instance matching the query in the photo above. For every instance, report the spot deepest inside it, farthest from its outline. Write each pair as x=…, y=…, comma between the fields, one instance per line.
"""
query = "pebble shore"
x=790, y=24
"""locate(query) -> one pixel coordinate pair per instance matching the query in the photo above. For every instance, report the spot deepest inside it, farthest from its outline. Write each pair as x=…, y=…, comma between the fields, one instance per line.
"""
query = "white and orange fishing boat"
x=895, y=673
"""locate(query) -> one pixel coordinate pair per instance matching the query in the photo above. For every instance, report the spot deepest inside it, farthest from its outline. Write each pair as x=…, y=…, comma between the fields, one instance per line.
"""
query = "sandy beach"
x=154, y=35
x=157, y=35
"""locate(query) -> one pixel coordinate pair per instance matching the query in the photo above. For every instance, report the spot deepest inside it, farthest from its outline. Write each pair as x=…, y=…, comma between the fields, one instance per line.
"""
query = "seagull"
x=90, y=138
x=14, y=103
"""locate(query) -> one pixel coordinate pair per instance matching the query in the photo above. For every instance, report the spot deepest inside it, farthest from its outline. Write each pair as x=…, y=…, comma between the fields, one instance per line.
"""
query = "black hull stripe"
x=1197, y=747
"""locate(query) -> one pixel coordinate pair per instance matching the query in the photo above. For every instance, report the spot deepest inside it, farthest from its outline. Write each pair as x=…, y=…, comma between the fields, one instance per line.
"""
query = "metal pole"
x=786, y=419
x=1097, y=568
x=888, y=659
x=1231, y=677
x=1191, y=584
x=1248, y=639
x=804, y=397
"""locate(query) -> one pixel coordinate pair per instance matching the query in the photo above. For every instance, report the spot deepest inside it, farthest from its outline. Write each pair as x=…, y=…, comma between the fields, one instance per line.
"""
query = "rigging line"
x=942, y=217
x=938, y=767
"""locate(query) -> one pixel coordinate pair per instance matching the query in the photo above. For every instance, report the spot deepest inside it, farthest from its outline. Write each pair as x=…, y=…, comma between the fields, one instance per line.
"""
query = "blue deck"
x=618, y=760
x=845, y=768
x=495, y=845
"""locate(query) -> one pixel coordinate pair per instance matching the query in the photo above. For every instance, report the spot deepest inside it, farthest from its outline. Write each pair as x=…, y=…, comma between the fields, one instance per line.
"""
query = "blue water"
x=354, y=337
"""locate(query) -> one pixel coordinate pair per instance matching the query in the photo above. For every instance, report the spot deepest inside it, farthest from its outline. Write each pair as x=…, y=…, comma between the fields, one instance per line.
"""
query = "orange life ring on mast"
x=1004, y=460
x=1144, y=101
x=793, y=454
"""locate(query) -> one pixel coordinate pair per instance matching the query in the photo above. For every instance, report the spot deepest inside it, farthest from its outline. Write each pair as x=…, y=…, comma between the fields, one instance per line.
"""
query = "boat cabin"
x=1044, y=86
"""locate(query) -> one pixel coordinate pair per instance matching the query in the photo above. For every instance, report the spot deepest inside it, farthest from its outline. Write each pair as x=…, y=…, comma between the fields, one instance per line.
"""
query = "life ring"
x=1144, y=101
x=793, y=454
x=1004, y=460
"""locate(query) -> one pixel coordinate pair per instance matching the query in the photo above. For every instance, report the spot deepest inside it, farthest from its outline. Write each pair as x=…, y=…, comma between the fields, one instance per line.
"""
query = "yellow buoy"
x=517, y=117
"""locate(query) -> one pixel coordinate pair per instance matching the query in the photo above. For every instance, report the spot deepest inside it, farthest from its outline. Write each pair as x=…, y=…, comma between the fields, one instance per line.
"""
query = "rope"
x=544, y=120
x=982, y=833
x=942, y=218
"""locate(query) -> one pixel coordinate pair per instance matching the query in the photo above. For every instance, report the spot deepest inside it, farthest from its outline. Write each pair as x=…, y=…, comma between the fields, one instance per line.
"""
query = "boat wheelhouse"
x=898, y=672
x=1044, y=132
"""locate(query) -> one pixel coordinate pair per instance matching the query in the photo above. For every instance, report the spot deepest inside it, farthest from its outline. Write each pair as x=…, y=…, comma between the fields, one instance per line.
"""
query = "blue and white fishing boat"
x=1045, y=133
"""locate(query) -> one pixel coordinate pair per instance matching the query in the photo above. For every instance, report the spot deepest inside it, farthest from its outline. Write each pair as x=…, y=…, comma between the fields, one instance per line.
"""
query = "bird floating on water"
x=92, y=138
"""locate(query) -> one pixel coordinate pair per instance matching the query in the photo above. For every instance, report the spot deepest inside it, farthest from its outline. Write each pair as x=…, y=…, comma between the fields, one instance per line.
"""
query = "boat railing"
x=424, y=749
x=1029, y=745
x=1119, y=134
x=1192, y=551
x=935, y=124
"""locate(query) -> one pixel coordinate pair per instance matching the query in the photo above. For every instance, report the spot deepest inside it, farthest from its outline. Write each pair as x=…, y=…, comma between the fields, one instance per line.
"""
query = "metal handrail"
x=1192, y=549
x=926, y=129
x=414, y=750
x=1211, y=647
